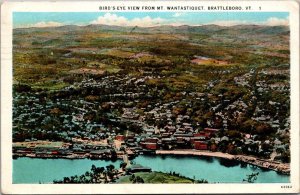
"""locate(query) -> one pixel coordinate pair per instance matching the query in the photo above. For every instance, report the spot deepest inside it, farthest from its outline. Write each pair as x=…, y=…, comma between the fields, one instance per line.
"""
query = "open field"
x=156, y=178
x=50, y=55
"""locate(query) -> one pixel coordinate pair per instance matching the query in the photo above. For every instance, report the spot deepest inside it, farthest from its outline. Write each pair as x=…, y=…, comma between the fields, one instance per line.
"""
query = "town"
x=112, y=103
x=129, y=123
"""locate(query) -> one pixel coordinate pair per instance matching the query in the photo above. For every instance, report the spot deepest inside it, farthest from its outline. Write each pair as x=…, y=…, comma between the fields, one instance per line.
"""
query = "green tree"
x=132, y=177
x=123, y=165
x=251, y=178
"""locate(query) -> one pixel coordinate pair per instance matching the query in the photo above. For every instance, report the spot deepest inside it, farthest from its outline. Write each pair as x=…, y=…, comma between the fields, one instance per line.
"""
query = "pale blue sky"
x=40, y=19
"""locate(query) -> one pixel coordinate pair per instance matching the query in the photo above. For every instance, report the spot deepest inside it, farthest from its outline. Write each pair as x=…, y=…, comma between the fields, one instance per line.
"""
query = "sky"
x=147, y=19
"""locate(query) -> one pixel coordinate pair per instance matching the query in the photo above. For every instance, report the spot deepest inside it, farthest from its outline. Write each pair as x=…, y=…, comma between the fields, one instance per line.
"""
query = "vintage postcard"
x=149, y=97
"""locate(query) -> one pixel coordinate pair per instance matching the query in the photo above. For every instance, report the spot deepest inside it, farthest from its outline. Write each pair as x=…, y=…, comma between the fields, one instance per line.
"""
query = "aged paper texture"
x=134, y=97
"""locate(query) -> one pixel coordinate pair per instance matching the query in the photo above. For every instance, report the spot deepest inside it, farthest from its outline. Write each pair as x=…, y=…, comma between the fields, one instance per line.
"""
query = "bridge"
x=126, y=160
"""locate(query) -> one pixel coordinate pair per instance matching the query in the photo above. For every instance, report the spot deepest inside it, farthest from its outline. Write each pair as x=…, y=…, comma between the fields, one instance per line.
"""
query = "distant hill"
x=184, y=29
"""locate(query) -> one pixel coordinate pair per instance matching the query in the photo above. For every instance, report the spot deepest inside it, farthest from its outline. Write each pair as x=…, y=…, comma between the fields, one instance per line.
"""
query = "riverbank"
x=279, y=167
x=196, y=153
x=71, y=156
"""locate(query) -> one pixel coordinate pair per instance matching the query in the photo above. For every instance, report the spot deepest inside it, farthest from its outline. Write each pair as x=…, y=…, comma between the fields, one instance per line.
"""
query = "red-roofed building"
x=54, y=152
x=151, y=139
x=151, y=146
x=200, y=145
x=200, y=134
x=120, y=137
x=203, y=134
x=210, y=130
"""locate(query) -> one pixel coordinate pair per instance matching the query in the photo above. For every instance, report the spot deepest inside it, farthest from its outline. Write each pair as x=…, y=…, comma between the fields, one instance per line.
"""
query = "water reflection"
x=243, y=165
x=228, y=163
x=207, y=159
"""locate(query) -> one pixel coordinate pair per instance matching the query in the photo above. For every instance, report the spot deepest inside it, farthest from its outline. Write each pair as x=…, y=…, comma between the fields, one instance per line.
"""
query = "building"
x=137, y=168
x=120, y=137
x=151, y=146
x=211, y=131
x=200, y=145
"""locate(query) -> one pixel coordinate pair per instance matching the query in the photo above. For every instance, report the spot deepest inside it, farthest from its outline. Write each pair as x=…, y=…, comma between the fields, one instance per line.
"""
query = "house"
x=165, y=135
x=166, y=140
x=179, y=134
x=55, y=152
x=100, y=153
x=149, y=145
x=137, y=168
x=200, y=145
x=120, y=137
x=277, y=143
x=120, y=154
x=200, y=138
x=202, y=134
x=130, y=136
x=130, y=140
x=180, y=140
x=216, y=140
x=209, y=132
x=151, y=139
x=225, y=138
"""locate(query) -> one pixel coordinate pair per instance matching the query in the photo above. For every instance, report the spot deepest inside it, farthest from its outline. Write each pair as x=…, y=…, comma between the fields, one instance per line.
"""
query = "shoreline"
x=189, y=152
x=283, y=168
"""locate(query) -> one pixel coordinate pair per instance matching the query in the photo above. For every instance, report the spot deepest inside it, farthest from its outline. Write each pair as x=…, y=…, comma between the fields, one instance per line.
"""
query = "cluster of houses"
x=268, y=111
x=63, y=150
x=170, y=139
x=41, y=116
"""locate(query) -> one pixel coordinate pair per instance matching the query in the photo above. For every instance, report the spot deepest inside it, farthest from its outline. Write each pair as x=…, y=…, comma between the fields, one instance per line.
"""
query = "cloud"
x=177, y=14
x=42, y=24
x=47, y=24
x=277, y=22
x=273, y=21
x=228, y=22
x=113, y=19
x=147, y=21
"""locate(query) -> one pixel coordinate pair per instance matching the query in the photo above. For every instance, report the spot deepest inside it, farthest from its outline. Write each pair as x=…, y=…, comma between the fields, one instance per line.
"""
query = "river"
x=34, y=170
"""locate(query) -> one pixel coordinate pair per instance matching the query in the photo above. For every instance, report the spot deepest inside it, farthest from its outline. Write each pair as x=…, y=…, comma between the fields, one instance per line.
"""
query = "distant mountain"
x=184, y=29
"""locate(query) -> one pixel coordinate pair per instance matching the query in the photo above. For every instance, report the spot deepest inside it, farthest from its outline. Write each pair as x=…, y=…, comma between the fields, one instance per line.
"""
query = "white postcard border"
x=6, y=104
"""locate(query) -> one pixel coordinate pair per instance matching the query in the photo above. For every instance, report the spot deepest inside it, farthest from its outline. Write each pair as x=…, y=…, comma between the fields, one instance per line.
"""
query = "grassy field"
x=156, y=177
